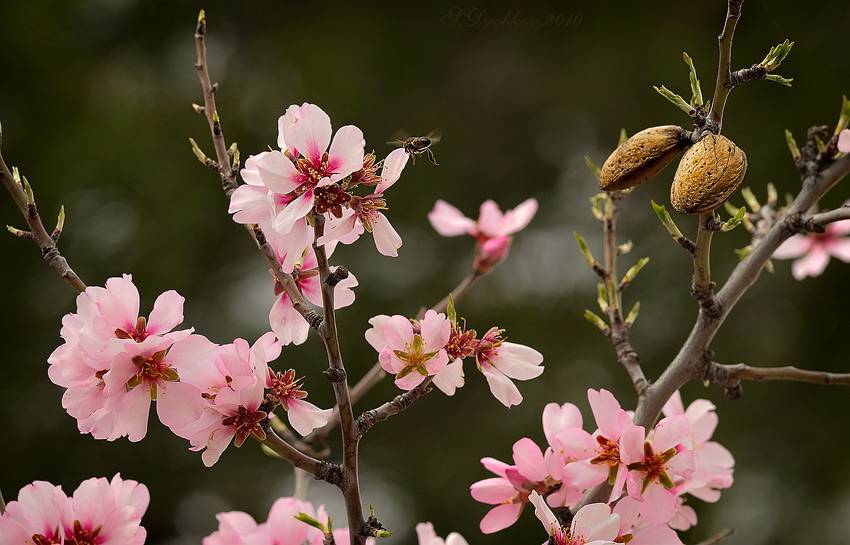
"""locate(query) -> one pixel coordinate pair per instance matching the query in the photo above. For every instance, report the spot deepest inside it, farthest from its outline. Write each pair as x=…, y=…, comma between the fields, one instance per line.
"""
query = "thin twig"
x=321, y=470
x=399, y=403
x=818, y=222
x=718, y=537
x=619, y=331
x=462, y=289
x=336, y=374
x=703, y=287
x=47, y=241
x=724, y=72
x=227, y=168
x=730, y=375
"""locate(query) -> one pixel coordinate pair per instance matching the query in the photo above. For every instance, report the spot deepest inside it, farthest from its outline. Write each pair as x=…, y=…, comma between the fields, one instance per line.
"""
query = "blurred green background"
x=95, y=104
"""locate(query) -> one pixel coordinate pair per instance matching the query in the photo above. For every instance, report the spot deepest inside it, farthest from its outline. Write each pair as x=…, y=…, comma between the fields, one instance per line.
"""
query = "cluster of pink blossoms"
x=649, y=472
x=114, y=363
x=492, y=231
x=314, y=173
x=99, y=512
x=435, y=346
x=287, y=525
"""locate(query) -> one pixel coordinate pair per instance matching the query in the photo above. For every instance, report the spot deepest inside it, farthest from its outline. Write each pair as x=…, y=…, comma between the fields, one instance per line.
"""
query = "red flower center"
x=138, y=334
x=246, y=423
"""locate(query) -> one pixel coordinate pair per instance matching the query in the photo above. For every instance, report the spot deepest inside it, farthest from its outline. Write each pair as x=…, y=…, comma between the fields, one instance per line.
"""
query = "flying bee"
x=419, y=145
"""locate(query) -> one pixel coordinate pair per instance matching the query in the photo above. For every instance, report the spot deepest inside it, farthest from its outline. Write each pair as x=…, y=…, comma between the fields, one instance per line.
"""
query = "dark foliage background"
x=95, y=107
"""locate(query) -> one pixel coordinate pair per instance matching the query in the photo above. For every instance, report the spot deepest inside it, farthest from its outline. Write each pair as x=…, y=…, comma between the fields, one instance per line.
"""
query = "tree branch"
x=21, y=192
x=227, y=166
x=399, y=403
x=724, y=72
x=336, y=374
x=324, y=471
x=818, y=222
x=691, y=361
x=732, y=375
x=702, y=287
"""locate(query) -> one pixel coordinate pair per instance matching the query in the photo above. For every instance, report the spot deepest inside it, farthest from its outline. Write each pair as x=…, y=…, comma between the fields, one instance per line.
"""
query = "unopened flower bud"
x=642, y=156
x=708, y=174
x=492, y=252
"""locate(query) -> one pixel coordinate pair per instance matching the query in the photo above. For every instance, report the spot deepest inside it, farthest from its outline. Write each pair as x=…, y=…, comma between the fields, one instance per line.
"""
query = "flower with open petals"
x=593, y=524
x=492, y=231
x=408, y=354
x=365, y=212
x=811, y=252
x=213, y=405
x=509, y=491
x=307, y=162
x=502, y=362
x=102, y=339
x=100, y=512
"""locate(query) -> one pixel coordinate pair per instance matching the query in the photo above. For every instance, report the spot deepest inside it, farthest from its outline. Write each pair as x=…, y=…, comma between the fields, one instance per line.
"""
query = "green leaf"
x=792, y=145
x=632, y=317
x=594, y=168
x=735, y=221
x=675, y=99
x=596, y=320
x=450, y=310
x=696, y=89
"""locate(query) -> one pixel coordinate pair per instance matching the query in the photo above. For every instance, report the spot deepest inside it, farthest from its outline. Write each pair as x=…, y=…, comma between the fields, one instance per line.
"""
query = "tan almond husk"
x=708, y=174
x=642, y=156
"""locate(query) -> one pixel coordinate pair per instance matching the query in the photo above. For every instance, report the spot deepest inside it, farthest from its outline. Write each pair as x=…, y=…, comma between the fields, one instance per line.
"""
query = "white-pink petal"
x=449, y=221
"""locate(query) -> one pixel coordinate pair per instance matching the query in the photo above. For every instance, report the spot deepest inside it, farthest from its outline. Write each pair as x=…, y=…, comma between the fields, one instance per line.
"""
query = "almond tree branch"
x=324, y=471
x=703, y=287
x=227, y=166
x=399, y=403
x=336, y=374
x=818, y=222
x=619, y=332
x=724, y=72
x=691, y=361
x=731, y=376
x=21, y=192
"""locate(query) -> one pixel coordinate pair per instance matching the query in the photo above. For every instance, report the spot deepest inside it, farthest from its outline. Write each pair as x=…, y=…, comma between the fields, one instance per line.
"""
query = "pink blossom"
x=286, y=322
x=100, y=511
x=656, y=465
x=302, y=174
x=811, y=252
x=365, y=212
x=597, y=458
x=844, y=141
x=213, y=404
x=492, y=230
x=427, y=536
x=409, y=354
x=557, y=420
x=303, y=416
x=106, y=337
x=510, y=489
x=635, y=530
x=502, y=362
x=713, y=463
x=593, y=524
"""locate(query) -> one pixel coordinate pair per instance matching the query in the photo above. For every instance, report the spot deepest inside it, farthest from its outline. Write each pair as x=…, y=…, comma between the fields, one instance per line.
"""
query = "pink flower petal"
x=250, y=204
x=560, y=417
x=811, y=264
x=794, y=247
x=166, y=314
x=500, y=517
x=517, y=219
x=493, y=491
x=304, y=417
x=346, y=153
x=529, y=460
x=435, y=330
x=292, y=212
x=595, y=522
x=278, y=173
x=502, y=387
x=387, y=240
x=844, y=141
x=394, y=163
x=449, y=221
x=450, y=378
x=307, y=130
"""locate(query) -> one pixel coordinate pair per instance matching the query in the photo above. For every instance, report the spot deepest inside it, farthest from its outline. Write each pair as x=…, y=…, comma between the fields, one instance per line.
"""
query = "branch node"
x=334, y=374
x=330, y=473
x=337, y=275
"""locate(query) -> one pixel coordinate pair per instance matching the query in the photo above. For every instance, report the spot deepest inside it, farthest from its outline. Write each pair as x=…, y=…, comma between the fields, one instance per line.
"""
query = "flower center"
x=331, y=198
x=488, y=346
x=83, y=536
x=284, y=386
x=246, y=423
x=151, y=370
x=462, y=343
x=138, y=333
x=313, y=172
x=414, y=357
x=51, y=539
x=563, y=536
x=654, y=466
